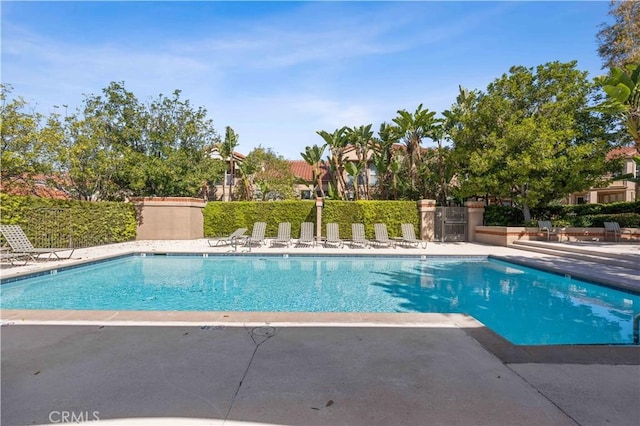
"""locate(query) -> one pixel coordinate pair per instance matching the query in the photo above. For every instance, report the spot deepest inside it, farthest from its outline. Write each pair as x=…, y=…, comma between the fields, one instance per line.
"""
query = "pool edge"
x=501, y=348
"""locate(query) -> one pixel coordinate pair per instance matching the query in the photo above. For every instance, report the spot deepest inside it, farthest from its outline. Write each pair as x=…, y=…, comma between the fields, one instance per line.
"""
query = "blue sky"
x=279, y=71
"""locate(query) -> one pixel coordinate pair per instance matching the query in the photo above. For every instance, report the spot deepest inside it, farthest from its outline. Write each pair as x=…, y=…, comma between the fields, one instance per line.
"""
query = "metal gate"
x=450, y=224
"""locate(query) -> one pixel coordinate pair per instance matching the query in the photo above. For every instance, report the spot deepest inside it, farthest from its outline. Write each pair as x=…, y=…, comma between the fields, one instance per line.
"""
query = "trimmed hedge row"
x=370, y=212
x=626, y=220
x=581, y=215
x=223, y=218
x=564, y=212
x=66, y=223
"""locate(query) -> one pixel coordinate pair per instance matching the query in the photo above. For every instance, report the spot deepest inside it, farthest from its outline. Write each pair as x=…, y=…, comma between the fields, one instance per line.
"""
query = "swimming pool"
x=526, y=306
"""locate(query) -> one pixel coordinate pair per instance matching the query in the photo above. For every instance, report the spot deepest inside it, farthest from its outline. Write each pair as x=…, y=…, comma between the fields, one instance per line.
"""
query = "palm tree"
x=361, y=139
x=354, y=171
x=382, y=157
x=247, y=171
x=623, y=90
x=413, y=128
x=622, y=87
x=438, y=133
x=226, y=149
x=337, y=142
x=313, y=156
x=394, y=168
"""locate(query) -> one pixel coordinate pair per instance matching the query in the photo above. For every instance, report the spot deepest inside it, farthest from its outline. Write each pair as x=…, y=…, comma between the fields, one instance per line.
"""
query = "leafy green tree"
x=619, y=43
x=414, y=127
x=273, y=175
x=29, y=142
x=312, y=155
x=117, y=147
x=105, y=154
x=531, y=137
x=177, y=139
x=89, y=161
x=337, y=143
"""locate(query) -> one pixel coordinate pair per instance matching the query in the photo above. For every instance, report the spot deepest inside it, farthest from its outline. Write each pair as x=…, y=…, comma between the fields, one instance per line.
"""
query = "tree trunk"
x=443, y=183
x=526, y=211
x=224, y=185
x=231, y=174
x=366, y=180
x=342, y=183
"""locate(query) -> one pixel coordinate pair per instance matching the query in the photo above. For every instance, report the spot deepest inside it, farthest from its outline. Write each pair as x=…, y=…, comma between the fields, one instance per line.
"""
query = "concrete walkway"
x=421, y=372
x=292, y=376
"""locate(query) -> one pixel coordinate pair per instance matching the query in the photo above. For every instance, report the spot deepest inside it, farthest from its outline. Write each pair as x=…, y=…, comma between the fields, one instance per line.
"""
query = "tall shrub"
x=70, y=222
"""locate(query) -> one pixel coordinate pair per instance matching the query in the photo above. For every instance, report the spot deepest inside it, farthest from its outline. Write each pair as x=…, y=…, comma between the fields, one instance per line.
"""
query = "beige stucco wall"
x=427, y=211
x=170, y=218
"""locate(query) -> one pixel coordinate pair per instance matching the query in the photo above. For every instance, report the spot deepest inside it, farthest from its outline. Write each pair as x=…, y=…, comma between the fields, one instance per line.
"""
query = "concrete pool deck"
x=307, y=368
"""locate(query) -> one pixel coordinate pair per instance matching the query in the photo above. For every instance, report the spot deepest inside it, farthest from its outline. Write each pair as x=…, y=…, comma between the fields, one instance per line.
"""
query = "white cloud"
x=276, y=78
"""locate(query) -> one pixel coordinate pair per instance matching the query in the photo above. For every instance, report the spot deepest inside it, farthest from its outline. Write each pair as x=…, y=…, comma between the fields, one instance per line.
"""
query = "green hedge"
x=503, y=216
x=581, y=215
x=223, y=218
x=65, y=223
x=570, y=211
x=626, y=220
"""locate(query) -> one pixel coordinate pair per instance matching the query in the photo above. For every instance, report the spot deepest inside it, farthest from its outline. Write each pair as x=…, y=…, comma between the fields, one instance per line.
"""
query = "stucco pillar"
x=475, y=217
x=319, y=206
x=427, y=212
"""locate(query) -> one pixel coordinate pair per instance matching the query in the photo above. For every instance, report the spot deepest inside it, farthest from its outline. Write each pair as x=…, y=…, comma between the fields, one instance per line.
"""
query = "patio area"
x=222, y=368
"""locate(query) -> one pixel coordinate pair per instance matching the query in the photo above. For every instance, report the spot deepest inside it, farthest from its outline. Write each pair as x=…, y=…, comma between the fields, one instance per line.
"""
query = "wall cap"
x=168, y=201
x=426, y=205
x=474, y=204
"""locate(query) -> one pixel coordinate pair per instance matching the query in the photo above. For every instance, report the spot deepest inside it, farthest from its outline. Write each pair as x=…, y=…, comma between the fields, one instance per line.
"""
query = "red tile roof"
x=625, y=151
x=35, y=186
x=303, y=170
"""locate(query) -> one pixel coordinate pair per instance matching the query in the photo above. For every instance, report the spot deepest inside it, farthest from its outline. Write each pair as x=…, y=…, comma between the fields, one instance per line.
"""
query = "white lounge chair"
x=357, y=236
x=409, y=237
x=284, y=235
x=333, y=236
x=257, y=235
x=20, y=244
x=306, y=235
x=225, y=241
x=382, y=236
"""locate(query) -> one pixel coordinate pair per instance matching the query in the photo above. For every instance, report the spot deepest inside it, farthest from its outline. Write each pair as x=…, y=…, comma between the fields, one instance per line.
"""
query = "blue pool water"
x=526, y=306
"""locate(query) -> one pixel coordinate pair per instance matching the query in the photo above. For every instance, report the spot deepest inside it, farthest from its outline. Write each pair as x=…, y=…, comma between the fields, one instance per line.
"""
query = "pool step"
x=613, y=259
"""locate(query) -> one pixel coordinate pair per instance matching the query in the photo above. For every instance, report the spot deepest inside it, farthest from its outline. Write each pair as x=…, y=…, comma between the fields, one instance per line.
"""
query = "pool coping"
x=506, y=351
